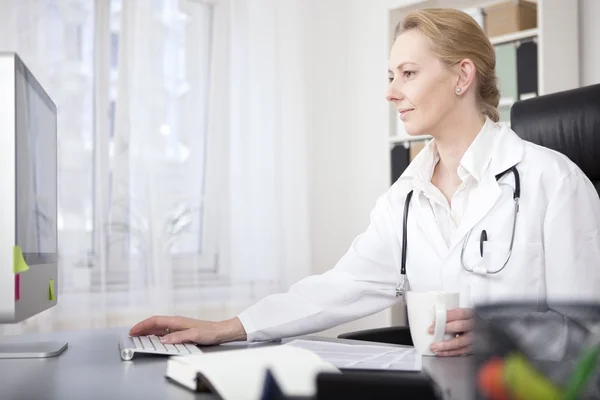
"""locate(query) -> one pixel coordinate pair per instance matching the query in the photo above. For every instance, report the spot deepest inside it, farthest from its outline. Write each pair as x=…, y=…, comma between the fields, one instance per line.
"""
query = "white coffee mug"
x=423, y=309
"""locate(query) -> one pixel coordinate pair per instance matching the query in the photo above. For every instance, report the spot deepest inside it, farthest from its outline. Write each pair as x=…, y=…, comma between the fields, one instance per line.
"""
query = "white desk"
x=91, y=368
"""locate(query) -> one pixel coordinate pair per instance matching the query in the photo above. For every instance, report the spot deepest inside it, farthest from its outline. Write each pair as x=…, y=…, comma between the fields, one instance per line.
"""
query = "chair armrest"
x=391, y=335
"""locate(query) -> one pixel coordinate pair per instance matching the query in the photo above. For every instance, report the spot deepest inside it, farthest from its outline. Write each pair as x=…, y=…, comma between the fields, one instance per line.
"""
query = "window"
x=133, y=128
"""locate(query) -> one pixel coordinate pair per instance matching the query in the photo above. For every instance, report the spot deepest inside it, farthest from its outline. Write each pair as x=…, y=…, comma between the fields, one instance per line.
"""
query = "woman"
x=443, y=83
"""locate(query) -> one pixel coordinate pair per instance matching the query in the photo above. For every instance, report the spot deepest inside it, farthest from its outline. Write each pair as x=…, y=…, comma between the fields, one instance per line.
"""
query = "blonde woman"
x=460, y=195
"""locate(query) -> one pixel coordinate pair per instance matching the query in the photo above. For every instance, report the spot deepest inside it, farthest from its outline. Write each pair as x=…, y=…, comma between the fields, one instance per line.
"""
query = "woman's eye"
x=409, y=74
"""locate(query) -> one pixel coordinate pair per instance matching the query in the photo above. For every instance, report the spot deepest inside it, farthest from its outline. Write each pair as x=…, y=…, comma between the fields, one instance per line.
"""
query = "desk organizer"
x=527, y=351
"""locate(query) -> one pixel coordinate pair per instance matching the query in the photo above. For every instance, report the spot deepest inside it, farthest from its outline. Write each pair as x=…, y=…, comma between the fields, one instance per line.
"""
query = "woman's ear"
x=466, y=75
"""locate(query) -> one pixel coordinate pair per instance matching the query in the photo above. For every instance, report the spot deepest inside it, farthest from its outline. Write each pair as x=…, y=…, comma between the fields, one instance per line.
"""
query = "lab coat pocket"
x=520, y=279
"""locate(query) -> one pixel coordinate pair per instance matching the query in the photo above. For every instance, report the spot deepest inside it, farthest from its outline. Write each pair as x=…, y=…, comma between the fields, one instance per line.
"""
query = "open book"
x=241, y=374
x=293, y=367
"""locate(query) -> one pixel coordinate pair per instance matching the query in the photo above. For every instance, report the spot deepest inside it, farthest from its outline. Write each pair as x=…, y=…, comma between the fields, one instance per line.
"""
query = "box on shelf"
x=510, y=16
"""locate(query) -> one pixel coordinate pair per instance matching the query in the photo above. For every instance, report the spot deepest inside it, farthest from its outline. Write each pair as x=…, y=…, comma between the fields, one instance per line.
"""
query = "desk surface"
x=91, y=368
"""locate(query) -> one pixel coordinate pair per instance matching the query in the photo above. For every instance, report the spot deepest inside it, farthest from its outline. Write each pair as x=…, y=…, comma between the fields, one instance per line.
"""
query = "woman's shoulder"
x=538, y=165
x=548, y=161
x=391, y=201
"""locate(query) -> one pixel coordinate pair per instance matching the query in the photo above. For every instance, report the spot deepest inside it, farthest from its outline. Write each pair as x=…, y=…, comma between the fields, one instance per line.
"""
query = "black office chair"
x=568, y=122
x=391, y=335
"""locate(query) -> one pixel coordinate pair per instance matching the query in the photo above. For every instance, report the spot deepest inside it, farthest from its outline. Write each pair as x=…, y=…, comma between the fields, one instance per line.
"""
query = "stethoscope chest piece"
x=402, y=286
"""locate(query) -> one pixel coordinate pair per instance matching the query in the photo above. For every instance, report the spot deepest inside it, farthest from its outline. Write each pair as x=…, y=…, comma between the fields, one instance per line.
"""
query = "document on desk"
x=351, y=356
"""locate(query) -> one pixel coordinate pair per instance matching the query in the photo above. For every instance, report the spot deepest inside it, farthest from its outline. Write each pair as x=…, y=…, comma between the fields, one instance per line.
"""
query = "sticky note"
x=19, y=264
x=17, y=287
x=51, y=295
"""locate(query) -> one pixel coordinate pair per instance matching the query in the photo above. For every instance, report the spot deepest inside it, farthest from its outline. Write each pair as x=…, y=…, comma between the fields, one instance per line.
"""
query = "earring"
x=458, y=90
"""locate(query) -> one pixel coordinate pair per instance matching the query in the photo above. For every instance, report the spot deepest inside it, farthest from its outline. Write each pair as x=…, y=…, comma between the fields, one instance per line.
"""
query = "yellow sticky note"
x=51, y=295
x=19, y=264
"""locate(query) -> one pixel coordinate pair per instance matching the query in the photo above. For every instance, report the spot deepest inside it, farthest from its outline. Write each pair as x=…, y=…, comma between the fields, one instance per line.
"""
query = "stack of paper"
x=353, y=356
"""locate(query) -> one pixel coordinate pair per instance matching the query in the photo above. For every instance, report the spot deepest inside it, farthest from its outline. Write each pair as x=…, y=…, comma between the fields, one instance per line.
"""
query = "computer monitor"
x=28, y=204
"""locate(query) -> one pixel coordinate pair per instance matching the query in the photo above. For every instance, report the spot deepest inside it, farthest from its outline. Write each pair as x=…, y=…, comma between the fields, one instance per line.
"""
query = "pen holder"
x=527, y=351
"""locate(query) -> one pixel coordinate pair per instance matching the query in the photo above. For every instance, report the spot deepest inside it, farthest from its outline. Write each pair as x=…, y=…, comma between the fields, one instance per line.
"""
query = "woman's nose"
x=392, y=94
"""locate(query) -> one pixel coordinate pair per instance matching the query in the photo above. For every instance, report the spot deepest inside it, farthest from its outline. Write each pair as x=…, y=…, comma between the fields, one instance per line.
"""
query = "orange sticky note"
x=51, y=295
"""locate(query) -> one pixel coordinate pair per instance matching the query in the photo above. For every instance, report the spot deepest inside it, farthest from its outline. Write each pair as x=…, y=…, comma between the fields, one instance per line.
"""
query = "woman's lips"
x=404, y=112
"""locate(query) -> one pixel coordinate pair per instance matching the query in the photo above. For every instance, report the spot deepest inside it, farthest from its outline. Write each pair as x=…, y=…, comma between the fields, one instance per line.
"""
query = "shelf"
x=509, y=101
x=515, y=36
x=506, y=102
x=398, y=140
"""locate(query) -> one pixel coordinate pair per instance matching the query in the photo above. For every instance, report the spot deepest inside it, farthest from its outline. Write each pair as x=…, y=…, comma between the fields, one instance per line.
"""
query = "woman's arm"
x=572, y=241
x=361, y=283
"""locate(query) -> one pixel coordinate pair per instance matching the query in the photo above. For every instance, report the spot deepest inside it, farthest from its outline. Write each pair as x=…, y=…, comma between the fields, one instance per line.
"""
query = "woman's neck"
x=453, y=140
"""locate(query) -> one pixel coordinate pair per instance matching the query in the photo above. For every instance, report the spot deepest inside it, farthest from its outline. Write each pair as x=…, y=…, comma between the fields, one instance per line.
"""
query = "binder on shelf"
x=527, y=69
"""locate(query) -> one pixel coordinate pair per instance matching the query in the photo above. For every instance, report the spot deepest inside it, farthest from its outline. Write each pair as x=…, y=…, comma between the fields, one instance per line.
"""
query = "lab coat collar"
x=501, y=149
x=474, y=162
x=477, y=157
x=420, y=170
x=495, y=149
x=507, y=152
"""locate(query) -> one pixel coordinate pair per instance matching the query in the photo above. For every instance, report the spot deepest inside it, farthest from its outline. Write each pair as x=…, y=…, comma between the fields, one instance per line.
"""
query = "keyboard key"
x=170, y=348
x=157, y=344
x=181, y=348
x=138, y=343
x=147, y=343
x=192, y=348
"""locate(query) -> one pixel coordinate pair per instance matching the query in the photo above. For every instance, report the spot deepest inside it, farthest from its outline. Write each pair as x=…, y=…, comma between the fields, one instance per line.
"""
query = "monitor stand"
x=31, y=350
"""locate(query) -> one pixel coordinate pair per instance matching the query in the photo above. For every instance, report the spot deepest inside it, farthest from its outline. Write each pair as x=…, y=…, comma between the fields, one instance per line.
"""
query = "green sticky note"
x=51, y=295
x=19, y=264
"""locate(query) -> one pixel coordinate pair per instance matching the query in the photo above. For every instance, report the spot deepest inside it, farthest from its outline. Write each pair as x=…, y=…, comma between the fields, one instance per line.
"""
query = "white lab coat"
x=556, y=252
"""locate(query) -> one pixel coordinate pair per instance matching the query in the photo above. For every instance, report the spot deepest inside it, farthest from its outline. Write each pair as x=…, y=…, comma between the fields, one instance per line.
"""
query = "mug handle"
x=440, y=322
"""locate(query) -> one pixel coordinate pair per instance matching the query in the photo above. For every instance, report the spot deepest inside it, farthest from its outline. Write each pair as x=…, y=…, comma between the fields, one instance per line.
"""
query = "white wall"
x=349, y=129
x=589, y=41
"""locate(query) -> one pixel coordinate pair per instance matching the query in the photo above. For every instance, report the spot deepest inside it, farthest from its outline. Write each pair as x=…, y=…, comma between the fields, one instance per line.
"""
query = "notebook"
x=242, y=374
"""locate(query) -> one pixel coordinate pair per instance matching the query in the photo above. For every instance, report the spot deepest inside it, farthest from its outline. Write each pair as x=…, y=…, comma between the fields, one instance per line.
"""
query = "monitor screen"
x=36, y=179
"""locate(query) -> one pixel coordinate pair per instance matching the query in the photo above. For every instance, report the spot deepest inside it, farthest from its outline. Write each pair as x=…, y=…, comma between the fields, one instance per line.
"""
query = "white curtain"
x=268, y=149
x=185, y=125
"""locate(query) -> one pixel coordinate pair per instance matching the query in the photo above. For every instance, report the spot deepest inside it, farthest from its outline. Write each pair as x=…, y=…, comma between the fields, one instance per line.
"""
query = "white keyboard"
x=129, y=346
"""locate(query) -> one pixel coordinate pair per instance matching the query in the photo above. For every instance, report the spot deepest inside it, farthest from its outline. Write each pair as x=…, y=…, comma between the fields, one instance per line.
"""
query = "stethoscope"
x=403, y=282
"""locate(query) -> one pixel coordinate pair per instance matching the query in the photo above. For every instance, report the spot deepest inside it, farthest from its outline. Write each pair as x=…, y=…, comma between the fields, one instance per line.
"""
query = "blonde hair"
x=454, y=36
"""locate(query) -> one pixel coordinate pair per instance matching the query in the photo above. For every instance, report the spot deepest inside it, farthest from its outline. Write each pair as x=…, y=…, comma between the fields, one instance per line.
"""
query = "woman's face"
x=421, y=87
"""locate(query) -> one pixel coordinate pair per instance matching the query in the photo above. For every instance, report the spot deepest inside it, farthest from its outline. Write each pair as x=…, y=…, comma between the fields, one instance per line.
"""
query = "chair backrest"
x=568, y=122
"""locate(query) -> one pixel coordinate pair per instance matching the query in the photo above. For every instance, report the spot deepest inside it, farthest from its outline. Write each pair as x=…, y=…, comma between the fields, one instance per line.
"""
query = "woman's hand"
x=459, y=322
x=180, y=330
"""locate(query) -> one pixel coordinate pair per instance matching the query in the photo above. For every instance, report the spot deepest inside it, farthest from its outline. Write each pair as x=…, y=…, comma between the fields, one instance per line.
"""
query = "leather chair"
x=391, y=335
x=568, y=122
